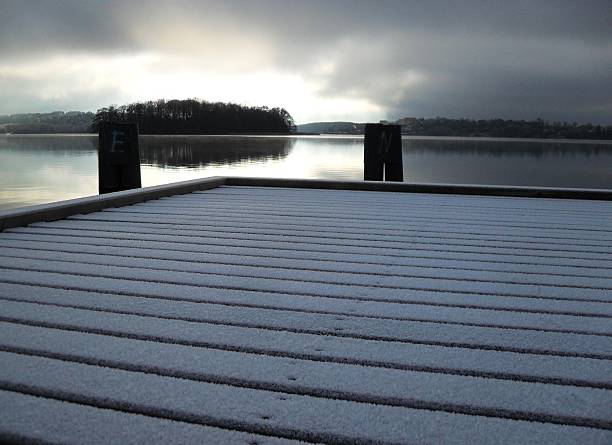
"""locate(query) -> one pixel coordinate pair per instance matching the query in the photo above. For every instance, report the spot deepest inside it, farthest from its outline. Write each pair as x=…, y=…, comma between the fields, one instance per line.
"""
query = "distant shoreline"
x=347, y=135
x=225, y=133
x=494, y=128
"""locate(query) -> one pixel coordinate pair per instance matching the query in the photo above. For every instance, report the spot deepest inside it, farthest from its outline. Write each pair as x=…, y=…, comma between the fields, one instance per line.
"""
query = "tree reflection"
x=196, y=151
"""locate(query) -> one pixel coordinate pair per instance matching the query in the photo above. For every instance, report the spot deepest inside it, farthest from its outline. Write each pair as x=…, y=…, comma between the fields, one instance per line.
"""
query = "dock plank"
x=329, y=380
x=261, y=411
x=37, y=419
x=252, y=314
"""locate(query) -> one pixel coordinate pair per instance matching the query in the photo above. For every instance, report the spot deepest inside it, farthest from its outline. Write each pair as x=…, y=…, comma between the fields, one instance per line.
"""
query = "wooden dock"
x=254, y=311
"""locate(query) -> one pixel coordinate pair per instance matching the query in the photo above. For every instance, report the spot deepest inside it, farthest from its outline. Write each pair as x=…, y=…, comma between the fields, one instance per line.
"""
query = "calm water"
x=46, y=168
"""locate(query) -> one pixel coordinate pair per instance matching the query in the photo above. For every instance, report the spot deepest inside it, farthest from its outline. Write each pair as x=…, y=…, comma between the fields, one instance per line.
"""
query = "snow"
x=560, y=343
x=70, y=423
x=371, y=277
x=383, y=265
x=366, y=341
x=320, y=379
x=297, y=416
x=269, y=315
x=504, y=294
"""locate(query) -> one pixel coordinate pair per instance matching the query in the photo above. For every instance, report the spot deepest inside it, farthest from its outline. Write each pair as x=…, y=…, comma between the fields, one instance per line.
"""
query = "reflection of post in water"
x=118, y=157
x=197, y=151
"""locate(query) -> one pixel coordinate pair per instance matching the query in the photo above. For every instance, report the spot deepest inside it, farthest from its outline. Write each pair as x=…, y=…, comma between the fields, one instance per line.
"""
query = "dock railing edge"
x=435, y=188
x=61, y=209
x=57, y=210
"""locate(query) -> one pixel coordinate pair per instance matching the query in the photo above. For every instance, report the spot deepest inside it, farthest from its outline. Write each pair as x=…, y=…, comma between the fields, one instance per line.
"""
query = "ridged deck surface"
x=257, y=315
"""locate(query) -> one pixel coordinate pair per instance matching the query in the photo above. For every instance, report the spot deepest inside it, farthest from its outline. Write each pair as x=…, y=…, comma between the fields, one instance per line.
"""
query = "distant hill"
x=440, y=126
x=54, y=122
x=503, y=128
x=331, y=128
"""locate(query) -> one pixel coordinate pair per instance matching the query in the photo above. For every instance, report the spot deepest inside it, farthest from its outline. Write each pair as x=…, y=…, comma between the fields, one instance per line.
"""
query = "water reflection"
x=199, y=151
x=504, y=148
x=66, y=145
x=37, y=169
x=263, y=156
x=509, y=162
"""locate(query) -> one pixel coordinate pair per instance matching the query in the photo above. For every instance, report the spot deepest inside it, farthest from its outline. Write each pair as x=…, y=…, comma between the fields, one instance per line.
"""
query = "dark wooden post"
x=118, y=157
x=373, y=165
x=382, y=153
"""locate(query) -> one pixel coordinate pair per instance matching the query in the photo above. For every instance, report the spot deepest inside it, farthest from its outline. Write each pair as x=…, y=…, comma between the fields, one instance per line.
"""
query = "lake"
x=37, y=169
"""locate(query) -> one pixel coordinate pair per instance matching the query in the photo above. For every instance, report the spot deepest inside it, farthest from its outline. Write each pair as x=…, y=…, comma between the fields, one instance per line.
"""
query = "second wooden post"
x=382, y=153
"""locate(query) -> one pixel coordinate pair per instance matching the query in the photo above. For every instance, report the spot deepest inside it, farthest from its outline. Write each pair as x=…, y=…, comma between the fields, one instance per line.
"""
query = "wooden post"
x=118, y=157
x=382, y=153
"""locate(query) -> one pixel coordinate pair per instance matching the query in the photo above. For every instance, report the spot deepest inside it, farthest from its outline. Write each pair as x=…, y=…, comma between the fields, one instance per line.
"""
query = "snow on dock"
x=233, y=311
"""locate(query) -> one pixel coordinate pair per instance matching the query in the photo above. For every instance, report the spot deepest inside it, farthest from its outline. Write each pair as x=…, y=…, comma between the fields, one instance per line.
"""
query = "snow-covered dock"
x=230, y=311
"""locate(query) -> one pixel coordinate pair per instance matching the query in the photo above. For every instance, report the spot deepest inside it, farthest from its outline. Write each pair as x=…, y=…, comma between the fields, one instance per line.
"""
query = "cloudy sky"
x=322, y=60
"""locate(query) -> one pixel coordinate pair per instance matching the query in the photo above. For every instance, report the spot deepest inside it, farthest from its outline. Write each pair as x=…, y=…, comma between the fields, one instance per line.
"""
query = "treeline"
x=55, y=122
x=193, y=116
x=538, y=128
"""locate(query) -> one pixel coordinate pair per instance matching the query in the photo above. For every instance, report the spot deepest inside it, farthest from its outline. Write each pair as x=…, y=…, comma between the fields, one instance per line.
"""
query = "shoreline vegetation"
x=160, y=117
x=195, y=117
x=47, y=123
x=493, y=128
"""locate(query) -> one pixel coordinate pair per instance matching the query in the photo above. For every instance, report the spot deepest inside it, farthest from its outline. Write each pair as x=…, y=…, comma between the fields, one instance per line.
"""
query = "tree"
x=192, y=116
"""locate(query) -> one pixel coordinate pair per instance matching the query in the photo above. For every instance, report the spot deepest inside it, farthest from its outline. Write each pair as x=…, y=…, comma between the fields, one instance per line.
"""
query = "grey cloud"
x=94, y=24
x=508, y=78
x=19, y=94
x=30, y=27
x=478, y=58
x=520, y=96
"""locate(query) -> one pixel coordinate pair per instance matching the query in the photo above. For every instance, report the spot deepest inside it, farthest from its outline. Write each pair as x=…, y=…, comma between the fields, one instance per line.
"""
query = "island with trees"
x=193, y=116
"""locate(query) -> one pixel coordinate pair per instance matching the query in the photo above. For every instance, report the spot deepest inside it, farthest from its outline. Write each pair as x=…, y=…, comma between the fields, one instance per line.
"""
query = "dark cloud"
x=471, y=58
x=473, y=77
x=30, y=27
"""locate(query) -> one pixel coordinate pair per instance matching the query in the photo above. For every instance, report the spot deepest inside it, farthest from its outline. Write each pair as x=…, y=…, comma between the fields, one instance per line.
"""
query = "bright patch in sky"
x=150, y=76
x=319, y=59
